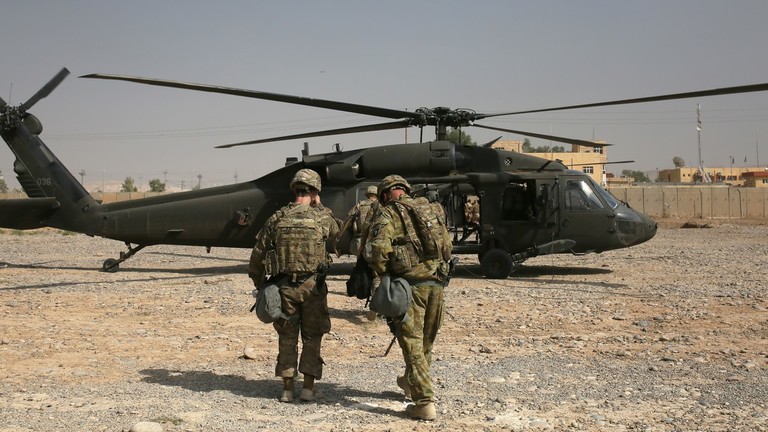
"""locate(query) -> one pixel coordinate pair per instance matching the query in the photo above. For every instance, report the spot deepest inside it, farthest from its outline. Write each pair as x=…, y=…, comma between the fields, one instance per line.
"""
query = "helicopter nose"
x=634, y=227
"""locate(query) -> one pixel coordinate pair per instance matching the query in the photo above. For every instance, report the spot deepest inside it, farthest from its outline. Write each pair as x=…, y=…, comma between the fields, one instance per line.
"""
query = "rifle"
x=389, y=348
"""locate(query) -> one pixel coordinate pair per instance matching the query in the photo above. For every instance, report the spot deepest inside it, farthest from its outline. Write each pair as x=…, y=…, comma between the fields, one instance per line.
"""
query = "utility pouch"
x=403, y=258
x=320, y=285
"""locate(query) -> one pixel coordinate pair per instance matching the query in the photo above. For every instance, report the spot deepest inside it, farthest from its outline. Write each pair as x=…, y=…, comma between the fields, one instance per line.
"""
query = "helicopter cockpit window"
x=580, y=196
x=607, y=196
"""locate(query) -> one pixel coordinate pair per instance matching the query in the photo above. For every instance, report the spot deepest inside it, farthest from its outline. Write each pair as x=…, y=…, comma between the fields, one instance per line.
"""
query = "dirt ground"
x=668, y=335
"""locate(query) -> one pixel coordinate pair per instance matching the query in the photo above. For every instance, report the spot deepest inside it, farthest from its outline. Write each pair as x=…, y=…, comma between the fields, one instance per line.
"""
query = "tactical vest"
x=298, y=243
x=425, y=225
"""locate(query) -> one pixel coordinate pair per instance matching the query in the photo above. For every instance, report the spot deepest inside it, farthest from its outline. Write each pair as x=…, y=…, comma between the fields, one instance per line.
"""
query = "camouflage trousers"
x=416, y=336
x=307, y=309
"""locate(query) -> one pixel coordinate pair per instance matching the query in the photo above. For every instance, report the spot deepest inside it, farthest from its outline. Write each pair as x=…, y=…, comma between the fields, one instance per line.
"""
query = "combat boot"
x=421, y=412
x=287, y=390
x=308, y=389
x=403, y=384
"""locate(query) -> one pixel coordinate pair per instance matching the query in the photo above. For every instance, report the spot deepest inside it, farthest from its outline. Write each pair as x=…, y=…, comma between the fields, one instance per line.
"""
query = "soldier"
x=391, y=249
x=359, y=219
x=476, y=211
x=291, y=249
x=468, y=211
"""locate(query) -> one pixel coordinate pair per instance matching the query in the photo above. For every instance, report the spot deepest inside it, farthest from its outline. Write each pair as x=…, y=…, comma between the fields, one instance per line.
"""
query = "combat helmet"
x=391, y=181
x=307, y=177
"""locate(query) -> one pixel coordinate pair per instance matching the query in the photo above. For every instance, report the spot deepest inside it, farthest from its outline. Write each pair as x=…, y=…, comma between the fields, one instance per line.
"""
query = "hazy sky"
x=490, y=56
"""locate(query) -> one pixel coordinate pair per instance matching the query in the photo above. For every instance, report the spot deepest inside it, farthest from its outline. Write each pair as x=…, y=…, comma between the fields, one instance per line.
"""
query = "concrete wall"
x=716, y=202
x=712, y=202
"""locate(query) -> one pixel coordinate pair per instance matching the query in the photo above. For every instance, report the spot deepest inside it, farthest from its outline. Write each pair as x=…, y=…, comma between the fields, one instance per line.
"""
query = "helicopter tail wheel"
x=110, y=265
x=496, y=264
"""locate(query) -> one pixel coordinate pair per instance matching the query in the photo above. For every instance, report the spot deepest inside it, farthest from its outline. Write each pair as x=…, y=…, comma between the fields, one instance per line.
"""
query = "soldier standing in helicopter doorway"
x=290, y=248
x=394, y=248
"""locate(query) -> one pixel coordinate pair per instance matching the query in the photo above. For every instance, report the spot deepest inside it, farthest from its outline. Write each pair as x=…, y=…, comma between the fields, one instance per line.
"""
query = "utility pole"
x=704, y=176
x=82, y=176
x=199, y=181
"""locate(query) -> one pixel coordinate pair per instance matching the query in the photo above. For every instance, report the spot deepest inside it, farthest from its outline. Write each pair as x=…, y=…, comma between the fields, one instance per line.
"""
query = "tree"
x=128, y=185
x=529, y=148
x=155, y=185
x=457, y=136
x=638, y=176
x=678, y=162
x=3, y=184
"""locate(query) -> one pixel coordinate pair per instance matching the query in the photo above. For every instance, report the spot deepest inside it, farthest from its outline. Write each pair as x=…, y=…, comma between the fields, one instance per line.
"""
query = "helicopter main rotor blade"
x=546, y=137
x=600, y=163
x=46, y=90
x=369, y=128
x=296, y=100
x=713, y=92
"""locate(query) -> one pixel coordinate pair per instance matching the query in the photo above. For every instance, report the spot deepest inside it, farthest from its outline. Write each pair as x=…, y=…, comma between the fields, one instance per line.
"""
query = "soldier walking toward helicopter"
x=291, y=249
x=398, y=248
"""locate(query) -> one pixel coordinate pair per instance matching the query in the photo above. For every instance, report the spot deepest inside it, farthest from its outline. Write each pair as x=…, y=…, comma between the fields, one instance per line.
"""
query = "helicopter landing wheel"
x=110, y=265
x=496, y=264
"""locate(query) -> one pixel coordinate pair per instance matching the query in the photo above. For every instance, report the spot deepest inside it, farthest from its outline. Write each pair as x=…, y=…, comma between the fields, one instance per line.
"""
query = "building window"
x=598, y=150
x=589, y=170
x=764, y=181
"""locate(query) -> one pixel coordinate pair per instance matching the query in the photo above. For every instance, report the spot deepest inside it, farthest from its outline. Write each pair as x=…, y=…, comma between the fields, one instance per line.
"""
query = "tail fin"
x=40, y=173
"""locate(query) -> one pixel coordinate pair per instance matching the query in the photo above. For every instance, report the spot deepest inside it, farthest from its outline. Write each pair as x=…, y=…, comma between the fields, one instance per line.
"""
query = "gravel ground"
x=670, y=335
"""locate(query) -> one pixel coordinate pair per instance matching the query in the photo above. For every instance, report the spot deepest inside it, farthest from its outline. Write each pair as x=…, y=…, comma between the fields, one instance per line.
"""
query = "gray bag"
x=392, y=298
x=268, y=305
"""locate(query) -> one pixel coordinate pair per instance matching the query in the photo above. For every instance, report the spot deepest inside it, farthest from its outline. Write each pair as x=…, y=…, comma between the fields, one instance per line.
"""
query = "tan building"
x=735, y=176
x=756, y=179
x=590, y=160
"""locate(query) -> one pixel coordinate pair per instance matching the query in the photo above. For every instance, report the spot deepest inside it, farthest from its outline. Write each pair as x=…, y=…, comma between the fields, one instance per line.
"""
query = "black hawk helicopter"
x=529, y=205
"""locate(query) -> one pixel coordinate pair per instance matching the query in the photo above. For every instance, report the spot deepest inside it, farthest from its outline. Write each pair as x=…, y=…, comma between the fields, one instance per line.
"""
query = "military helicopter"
x=529, y=206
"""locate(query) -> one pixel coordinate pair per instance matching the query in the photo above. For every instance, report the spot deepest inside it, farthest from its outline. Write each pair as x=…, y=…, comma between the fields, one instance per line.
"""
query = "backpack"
x=360, y=219
x=268, y=306
x=360, y=280
x=426, y=228
x=298, y=242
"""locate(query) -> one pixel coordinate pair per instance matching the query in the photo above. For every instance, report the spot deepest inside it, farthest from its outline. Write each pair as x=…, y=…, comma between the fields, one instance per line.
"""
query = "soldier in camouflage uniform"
x=417, y=330
x=295, y=261
x=359, y=220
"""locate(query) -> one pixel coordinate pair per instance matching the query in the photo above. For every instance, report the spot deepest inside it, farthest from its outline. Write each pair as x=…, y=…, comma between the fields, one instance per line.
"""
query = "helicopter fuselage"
x=528, y=206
